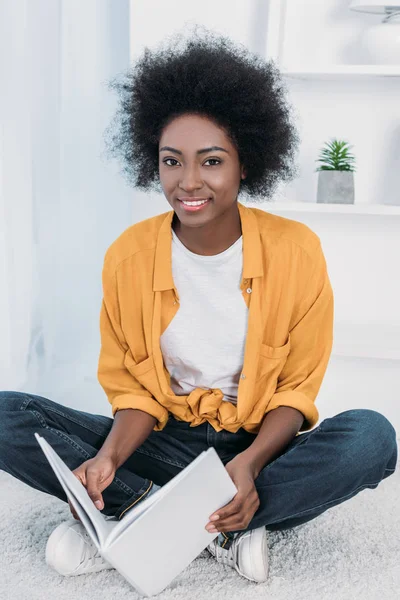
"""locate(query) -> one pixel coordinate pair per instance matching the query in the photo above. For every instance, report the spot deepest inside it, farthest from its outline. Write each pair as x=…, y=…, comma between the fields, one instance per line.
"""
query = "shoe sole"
x=254, y=555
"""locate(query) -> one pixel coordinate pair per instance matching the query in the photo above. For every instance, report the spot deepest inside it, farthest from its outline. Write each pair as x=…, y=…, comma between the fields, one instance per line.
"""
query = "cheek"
x=222, y=184
x=168, y=178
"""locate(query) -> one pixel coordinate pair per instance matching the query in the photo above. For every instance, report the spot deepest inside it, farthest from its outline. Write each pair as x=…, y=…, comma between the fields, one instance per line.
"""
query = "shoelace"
x=96, y=557
x=230, y=556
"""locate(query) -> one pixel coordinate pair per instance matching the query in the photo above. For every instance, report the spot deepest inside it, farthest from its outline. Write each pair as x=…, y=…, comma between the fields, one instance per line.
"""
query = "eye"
x=216, y=160
x=165, y=161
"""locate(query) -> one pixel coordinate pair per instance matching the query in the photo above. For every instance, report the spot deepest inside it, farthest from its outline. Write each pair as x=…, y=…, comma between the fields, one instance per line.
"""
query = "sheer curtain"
x=61, y=202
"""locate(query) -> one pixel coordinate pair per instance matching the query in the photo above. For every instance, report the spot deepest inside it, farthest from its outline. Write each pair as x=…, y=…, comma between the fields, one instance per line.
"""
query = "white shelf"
x=377, y=341
x=351, y=209
x=336, y=72
x=275, y=42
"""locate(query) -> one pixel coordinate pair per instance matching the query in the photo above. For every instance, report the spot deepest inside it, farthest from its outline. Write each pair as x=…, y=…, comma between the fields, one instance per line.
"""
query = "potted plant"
x=335, y=177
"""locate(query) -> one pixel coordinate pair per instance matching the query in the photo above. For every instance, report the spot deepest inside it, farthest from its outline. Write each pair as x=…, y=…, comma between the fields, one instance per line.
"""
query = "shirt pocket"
x=271, y=362
x=144, y=372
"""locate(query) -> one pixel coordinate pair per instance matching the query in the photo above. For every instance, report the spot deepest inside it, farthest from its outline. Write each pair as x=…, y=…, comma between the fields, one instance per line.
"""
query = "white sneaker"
x=70, y=550
x=247, y=553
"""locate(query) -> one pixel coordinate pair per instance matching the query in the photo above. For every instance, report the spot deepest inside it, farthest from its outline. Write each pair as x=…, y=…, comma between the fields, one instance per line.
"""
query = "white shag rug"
x=350, y=552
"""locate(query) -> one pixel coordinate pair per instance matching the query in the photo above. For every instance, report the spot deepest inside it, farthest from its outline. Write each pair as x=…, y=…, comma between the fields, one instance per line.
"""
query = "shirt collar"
x=252, y=255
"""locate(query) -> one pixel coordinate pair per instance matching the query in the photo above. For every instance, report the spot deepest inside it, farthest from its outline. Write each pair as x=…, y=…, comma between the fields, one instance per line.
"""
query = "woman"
x=216, y=325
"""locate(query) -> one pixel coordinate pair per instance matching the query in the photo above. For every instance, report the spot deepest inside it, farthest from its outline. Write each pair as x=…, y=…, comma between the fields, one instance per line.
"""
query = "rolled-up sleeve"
x=121, y=387
x=311, y=341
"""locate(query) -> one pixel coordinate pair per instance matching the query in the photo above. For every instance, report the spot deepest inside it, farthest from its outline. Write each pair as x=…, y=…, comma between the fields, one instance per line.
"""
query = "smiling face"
x=198, y=160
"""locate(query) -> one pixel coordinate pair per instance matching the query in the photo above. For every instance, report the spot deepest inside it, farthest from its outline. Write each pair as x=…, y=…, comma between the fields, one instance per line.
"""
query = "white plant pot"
x=381, y=43
x=335, y=187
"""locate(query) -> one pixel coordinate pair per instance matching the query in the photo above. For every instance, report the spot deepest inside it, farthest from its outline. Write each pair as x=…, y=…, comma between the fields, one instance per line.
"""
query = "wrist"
x=109, y=454
x=249, y=462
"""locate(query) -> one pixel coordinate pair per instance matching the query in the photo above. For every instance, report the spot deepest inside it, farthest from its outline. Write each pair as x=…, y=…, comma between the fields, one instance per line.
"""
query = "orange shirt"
x=289, y=339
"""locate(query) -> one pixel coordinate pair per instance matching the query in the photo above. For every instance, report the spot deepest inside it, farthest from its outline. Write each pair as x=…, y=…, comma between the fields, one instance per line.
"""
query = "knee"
x=375, y=431
x=11, y=400
x=374, y=421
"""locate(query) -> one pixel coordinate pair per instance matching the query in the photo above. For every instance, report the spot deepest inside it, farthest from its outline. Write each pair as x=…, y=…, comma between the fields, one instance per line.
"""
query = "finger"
x=221, y=524
x=227, y=511
x=237, y=520
x=241, y=503
x=227, y=508
x=233, y=524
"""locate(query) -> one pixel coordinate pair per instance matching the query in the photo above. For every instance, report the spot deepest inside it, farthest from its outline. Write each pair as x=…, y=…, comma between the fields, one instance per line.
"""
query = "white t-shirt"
x=204, y=344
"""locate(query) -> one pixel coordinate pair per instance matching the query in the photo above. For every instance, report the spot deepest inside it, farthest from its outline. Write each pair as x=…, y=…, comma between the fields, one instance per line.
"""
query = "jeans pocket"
x=65, y=418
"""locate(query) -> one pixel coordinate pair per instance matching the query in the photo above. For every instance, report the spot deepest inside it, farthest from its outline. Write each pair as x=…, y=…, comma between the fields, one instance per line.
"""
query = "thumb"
x=94, y=493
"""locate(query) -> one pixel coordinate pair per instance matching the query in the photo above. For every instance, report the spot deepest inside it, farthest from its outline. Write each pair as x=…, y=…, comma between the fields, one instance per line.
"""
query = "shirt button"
x=249, y=290
x=243, y=376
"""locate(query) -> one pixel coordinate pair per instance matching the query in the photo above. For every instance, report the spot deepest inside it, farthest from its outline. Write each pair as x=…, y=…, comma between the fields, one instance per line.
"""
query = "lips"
x=191, y=207
x=192, y=199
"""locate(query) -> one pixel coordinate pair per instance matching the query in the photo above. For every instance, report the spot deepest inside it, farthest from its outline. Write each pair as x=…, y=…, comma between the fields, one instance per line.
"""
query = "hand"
x=96, y=474
x=238, y=513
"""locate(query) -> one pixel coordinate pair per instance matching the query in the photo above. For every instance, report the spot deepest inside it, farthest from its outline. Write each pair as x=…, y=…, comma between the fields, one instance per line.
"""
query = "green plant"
x=336, y=157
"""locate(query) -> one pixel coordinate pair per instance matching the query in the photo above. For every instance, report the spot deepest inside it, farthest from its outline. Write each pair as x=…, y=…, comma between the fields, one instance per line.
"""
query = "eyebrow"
x=202, y=151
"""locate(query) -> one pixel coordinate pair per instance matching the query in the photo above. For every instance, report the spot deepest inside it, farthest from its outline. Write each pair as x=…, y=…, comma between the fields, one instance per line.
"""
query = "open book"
x=163, y=533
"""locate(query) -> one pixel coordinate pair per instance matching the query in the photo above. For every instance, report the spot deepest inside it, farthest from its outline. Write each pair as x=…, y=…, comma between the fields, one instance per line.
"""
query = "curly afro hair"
x=210, y=77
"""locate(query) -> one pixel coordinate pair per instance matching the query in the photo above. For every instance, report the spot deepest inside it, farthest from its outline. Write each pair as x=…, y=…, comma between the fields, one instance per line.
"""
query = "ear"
x=244, y=173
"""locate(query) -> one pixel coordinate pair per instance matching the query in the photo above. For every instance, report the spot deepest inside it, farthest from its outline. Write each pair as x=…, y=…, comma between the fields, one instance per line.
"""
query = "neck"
x=213, y=237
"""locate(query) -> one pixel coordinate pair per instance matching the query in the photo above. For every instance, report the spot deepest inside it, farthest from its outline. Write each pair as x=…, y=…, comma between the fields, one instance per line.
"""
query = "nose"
x=190, y=179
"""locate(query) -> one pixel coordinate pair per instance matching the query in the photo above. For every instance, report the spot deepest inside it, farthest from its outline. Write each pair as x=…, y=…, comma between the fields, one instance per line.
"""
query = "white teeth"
x=194, y=203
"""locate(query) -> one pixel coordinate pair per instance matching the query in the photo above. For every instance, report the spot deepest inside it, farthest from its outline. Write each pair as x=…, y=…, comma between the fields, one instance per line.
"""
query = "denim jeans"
x=346, y=453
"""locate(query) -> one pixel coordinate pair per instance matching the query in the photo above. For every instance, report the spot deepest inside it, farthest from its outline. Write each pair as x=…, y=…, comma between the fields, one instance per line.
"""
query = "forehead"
x=191, y=132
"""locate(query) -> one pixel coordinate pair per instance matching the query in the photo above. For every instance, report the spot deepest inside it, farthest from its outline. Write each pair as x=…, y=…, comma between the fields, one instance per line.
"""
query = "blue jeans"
x=321, y=468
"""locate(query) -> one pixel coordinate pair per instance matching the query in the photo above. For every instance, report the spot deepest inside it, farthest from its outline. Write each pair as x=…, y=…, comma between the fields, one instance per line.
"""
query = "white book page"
x=131, y=516
x=168, y=536
x=92, y=519
x=145, y=504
